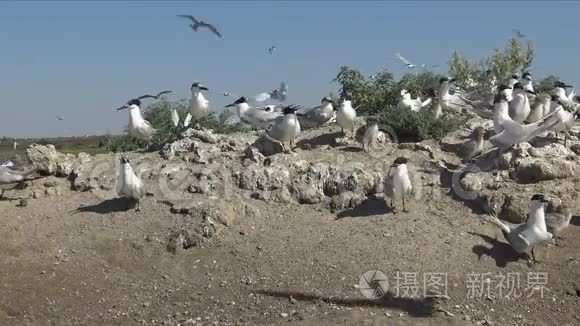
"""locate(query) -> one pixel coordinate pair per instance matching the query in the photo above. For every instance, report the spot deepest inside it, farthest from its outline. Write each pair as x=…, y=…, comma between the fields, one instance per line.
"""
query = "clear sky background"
x=82, y=59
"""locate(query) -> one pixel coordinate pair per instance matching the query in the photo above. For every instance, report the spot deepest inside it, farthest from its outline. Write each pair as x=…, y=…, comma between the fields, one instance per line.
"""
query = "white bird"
x=523, y=237
x=174, y=117
x=513, y=80
x=539, y=109
x=199, y=106
x=128, y=183
x=406, y=102
x=566, y=120
x=527, y=82
x=447, y=100
x=11, y=175
x=407, y=62
x=138, y=127
x=258, y=118
x=14, y=145
x=398, y=185
x=200, y=23
x=345, y=116
x=510, y=132
x=519, y=106
x=285, y=128
x=484, y=107
x=317, y=116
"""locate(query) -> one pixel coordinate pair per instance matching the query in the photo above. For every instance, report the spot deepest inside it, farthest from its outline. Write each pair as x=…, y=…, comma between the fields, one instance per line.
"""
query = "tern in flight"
x=200, y=23
x=407, y=62
x=272, y=49
x=153, y=96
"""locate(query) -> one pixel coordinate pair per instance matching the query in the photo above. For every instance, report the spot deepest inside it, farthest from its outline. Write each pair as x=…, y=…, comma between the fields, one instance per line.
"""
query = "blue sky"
x=81, y=59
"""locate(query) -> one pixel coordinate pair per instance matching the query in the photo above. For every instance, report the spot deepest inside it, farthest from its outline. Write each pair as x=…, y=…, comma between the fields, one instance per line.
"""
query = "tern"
x=199, y=106
x=12, y=175
x=513, y=80
x=138, y=127
x=518, y=33
x=187, y=120
x=472, y=147
x=59, y=118
x=285, y=128
x=199, y=23
x=258, y=118
x=128, y=184
x=519, y=106
x=484, y=108
x=408, y=64
x=445, y=98
x=367, y=135
x=527, y=82
x=272, y=49
x=319, y=115
x=510, y=132
x=345, y=116
x=523, y=237
x=566, y=120
x=558, y=220
x=398, y=184
x=153, y=96
x=539, y=109
x=406, y=102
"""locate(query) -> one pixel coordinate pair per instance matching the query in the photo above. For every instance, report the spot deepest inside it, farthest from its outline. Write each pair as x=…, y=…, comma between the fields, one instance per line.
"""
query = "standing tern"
x=398, y=184
x=539, y=109
x=408, y=64
x=285, y=128
x=319, y=115
x=472, y=147
x=523, y=237
x=345, y=116
x=128, y=184
x=510, y=132
x=258, y=118
x=558, y=220
x=138, y=127
x=199, y=106
x=484, y=107
x=200, y=23
x=566, y=120
x=519, y=106
x=367, y=135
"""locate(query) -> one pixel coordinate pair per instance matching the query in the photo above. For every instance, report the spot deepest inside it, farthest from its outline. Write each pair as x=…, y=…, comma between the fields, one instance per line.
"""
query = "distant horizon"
x=81, y=60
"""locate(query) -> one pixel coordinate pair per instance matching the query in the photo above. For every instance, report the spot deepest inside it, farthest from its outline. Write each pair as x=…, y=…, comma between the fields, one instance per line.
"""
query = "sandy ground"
x=287, y=264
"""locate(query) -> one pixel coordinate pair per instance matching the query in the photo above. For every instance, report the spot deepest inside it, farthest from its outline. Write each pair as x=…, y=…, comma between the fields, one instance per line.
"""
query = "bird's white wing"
x=403, y=59
x=187, y=120
x=262, y=97
x=174, y=117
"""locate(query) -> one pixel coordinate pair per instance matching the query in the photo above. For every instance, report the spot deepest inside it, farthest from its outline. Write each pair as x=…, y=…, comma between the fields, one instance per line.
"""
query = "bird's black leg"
x=534, y=256
x=404, y=208
x=1, y=193
x=138, y=206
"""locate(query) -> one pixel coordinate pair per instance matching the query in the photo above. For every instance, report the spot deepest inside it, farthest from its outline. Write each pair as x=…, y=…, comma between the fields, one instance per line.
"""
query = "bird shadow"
x=108, y=206
x=415, y=307
x=575, y=220
x=320, y=140
x=502, y=252
x=369, y=207
x=352, y=149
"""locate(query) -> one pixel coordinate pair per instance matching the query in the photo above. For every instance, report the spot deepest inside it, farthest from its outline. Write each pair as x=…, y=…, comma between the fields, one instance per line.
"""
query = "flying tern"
x=199, y=23
x=408, y=64
x=272, y=49
x=523, y=237
x=153, y=96
x=128, y=184
x=285, y=128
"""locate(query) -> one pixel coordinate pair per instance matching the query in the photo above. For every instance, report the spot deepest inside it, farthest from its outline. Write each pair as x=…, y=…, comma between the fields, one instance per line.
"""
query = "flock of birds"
x=519, y=115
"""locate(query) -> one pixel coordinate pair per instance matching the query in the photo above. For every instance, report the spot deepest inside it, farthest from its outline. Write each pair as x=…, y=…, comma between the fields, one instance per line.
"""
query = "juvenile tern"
x=523, y=237
x=408, y=64
x=345, y=116
x=258, y=118
x=472, y=147
x=128, y=184
x=199, y=23
x=539, y=109
x=199, y=106
x=317, y=116
x=285, y=128
x=398, y=184
x=558, y=220
x=138, y=127
x=367, y=135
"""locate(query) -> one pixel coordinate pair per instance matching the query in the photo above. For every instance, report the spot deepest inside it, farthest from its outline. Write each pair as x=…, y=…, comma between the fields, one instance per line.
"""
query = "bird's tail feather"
x=493, y=219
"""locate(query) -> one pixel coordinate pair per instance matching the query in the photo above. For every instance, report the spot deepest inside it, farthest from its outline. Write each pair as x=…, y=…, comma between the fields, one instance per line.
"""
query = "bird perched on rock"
x=345, y=116
x=539, y=109
x=319, y=115
x=367, y=135
x=199, y=106
x=258, y=118
x=472, y=147
x=558, y=220
x=138, y=127
x=285, y=128
x=128, y=183
x=523, y=237
x=398, y=184
x=519, y=106
x=12, y=174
